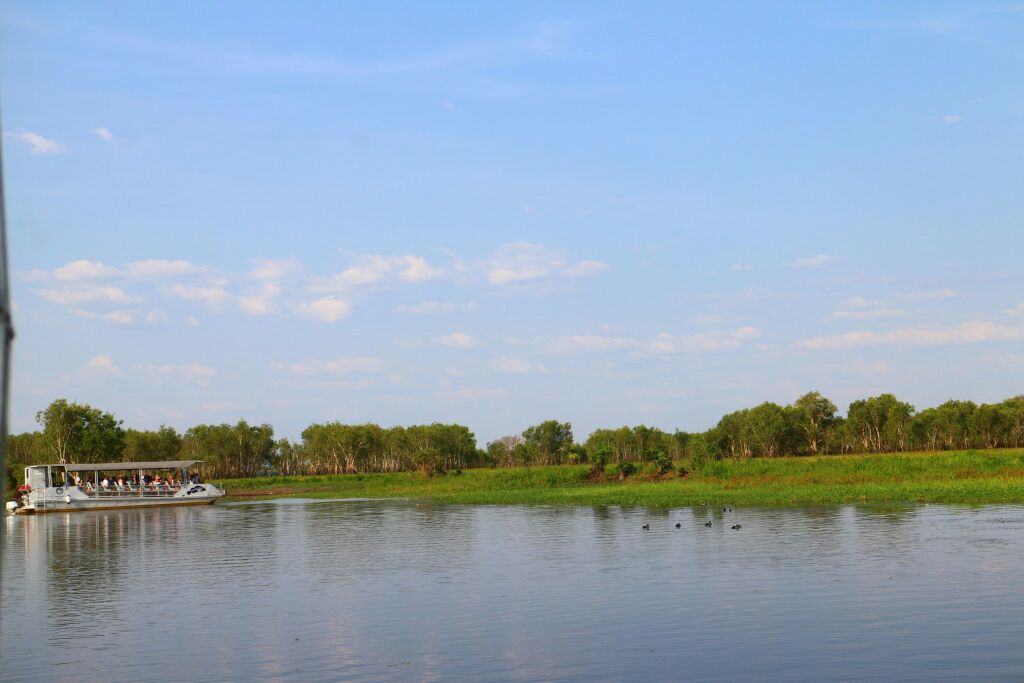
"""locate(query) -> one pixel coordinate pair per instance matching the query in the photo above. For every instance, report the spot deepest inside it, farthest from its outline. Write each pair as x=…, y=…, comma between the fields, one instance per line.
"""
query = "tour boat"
x=112, y=486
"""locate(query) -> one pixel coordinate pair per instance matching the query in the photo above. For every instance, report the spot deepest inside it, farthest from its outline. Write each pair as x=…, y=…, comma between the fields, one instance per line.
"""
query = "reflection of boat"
x=112, y=485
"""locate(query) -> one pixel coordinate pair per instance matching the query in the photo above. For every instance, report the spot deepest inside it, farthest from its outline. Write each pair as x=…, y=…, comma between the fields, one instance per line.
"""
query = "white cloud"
x=327, y=309
x=260, y=302
x=972, y=332
x=662, y=344
x=1016, y=310
x=458, y=340
x=816, y=261
x=853, y=302
x=516, y=366
x=84, y=270
x=866, y=314
x=586, y=269
x=951, y=118
x=710, y=342
x=214, y=297
x=933, y=295
x=416, y=269
x=86, y=294
x=156, y=268
x=432, y=307
x=103, y=363
x=38, y=144
x=103, y=134
x=273, y=269
x=120, y=317
x=192, y=321
x=345, y=365
x=524, y=262
x=375, y=269
x=737, y=267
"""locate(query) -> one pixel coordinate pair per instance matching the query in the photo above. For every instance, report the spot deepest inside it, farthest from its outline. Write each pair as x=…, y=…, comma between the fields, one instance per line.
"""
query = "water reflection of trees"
x=346, y=539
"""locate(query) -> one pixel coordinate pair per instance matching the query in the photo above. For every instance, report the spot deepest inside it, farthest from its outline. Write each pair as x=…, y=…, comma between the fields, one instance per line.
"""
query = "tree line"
x=811, y=425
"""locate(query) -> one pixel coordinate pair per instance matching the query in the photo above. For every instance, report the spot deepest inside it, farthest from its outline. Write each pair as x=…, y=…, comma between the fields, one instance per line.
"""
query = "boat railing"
x=144, y=492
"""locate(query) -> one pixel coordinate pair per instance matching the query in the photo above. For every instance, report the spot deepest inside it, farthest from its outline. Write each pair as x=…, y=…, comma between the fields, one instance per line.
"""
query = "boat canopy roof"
x=155, y=465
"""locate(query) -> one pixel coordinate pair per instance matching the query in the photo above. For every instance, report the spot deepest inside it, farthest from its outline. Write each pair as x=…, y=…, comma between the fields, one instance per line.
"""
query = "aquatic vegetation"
x=971, y=477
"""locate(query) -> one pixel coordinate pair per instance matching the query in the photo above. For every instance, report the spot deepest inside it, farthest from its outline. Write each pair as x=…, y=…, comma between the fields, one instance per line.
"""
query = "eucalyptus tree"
x=881, y=423
x=162, y=444
x=79, y=433
x=549, y=442
x=814, y=417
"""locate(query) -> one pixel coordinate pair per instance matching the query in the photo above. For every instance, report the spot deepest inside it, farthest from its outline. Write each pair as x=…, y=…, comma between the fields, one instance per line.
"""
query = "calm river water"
x=406, y=591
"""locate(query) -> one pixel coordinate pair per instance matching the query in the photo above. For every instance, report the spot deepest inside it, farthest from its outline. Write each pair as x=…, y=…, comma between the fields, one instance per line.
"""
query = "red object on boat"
x=24, y=487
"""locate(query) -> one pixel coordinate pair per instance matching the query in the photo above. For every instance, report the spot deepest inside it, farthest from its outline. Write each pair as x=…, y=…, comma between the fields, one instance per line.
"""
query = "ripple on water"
x=404, y=590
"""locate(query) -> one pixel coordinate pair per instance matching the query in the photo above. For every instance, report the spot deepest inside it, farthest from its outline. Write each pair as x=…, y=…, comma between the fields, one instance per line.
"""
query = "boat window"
x=57, y=476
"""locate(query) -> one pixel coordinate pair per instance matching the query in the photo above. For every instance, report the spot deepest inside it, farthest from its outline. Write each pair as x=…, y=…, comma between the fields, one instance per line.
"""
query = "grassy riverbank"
x=945, y=477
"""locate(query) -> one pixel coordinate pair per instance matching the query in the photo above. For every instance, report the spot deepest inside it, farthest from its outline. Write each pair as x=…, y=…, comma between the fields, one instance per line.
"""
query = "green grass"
x=971, y=477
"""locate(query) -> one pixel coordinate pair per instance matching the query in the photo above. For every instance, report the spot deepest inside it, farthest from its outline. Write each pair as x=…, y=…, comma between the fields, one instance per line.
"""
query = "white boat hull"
x=73, y=499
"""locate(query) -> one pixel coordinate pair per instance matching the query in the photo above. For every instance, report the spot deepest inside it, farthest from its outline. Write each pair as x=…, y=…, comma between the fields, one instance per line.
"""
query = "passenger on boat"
x=105, y=483
x=78, y=480
x=120, y=484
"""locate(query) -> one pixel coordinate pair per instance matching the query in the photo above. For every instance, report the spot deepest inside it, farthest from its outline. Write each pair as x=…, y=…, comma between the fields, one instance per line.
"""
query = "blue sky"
x=602, y=213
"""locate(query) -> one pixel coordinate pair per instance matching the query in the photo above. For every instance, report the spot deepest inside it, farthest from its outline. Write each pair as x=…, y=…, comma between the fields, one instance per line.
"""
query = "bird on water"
x=736, y=526
x=647, y=527
x=679, y=525
x=707, y=523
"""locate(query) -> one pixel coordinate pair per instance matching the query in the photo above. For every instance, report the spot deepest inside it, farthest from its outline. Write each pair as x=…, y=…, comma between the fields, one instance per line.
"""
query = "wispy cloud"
x=816, y=261
x=737, y=267
x=37, y=143
x=103, y=134
x=525, y=262
x=274, y=269
x=932, y=295
x=517, y=366
x=326, y=309
x=84, y=269
x=214, y=297
x=345, y=365
x=435, y=307
x=459, y=340
x=662, y=344
x=262, y=301
x=540, y=43
x=103, y=364
x=162, y=268
x=866, y=314
x=122, y=316
x=951, y=118
x=87, y=294
x=972, y=332
x=377, y=269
